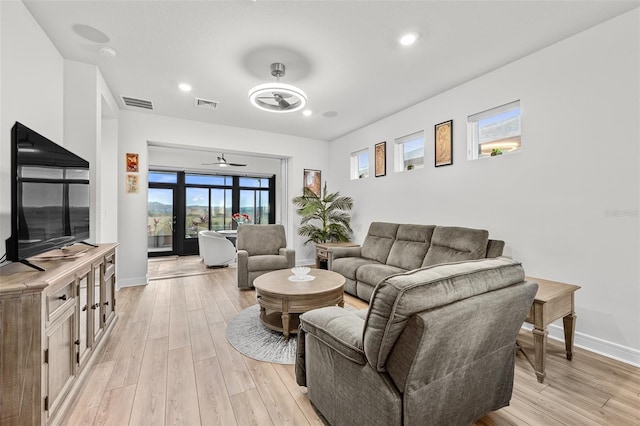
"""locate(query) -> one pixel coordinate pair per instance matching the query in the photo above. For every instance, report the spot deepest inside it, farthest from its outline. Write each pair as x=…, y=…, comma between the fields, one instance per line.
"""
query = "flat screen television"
x=49, y=196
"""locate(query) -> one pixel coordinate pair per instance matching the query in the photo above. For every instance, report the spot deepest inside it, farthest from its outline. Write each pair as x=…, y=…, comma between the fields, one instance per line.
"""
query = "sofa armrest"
x=243, y=269
x=290, y=254
x=338, y=252
x=339, y=329
x=495, y=248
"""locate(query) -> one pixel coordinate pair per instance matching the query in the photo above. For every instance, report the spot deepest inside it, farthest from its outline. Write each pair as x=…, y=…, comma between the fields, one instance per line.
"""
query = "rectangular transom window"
x=360, y=164
x=494, y=132
x=409, y=152
x=162, y=177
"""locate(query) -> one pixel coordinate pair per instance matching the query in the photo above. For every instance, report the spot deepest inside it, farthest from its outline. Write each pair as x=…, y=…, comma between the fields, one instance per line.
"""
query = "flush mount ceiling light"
x=277, y=97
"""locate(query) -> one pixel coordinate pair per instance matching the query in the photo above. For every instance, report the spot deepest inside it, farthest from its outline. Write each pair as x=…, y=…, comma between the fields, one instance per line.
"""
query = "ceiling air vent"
x=206, y=103
x=138, y=103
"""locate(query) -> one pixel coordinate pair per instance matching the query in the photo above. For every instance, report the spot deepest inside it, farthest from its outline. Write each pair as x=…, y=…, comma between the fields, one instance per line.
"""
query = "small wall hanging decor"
x=443, y=143
x=313, y=181
x=381, y=159
x=133, y=186
x=132, y=162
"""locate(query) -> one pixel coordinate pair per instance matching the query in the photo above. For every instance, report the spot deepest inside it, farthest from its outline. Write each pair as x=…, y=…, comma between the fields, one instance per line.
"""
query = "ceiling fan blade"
x=281, y=102
x=236, y=164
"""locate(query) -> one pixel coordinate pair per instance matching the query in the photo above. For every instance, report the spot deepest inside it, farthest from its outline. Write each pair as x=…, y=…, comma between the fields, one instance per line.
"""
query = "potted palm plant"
x=324, y=218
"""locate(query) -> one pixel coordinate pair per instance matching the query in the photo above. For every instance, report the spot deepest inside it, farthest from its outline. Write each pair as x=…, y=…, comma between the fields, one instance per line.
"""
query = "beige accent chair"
x=261, y=249
x=436, y=346
x=215, y=249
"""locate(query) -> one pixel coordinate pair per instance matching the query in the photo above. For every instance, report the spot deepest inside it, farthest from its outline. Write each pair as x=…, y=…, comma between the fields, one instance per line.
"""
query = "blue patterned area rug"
x=246, y=333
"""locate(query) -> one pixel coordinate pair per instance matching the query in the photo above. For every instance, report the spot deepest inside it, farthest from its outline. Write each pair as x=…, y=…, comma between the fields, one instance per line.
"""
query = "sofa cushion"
x=379, y=240
x=347, y=266
x=373, y=273
x=266, y=262
x=261, y=239
x=410, y=247
x=398, y=297
x=454, y=244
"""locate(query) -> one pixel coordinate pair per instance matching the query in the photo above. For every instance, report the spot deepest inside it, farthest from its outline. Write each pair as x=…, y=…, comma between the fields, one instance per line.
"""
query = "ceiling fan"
x=222, y=162
x=277, y=99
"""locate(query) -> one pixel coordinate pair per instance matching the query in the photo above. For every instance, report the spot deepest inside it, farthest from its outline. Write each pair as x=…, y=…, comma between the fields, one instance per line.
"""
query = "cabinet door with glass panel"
x=95, y=301
x=109, y=289
x=84, y=336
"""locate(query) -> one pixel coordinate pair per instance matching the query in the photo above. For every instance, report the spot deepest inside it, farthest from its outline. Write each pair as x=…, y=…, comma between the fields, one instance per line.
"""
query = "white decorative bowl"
x=300, y=271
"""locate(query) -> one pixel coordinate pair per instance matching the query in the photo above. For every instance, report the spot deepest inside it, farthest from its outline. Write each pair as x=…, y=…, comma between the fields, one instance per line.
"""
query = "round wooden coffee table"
x=282, y=301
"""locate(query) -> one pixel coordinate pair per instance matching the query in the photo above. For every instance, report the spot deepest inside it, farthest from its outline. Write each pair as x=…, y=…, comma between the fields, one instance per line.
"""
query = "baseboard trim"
x=593, y=344
x=132, y=282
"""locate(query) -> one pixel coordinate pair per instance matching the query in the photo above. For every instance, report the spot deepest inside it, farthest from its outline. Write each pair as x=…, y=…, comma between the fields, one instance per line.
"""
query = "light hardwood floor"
x=167, y=361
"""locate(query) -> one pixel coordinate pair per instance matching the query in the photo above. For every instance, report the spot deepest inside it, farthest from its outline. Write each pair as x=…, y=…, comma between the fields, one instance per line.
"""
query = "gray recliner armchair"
x=435, y=347
x=261, y=249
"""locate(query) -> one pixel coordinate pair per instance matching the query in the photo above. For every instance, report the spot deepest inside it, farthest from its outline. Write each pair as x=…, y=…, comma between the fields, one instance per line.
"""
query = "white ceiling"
x=343, y=54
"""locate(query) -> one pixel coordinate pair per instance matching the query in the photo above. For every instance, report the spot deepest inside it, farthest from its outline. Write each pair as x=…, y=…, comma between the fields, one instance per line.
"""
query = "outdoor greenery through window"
x=495, y=131
x=409, y=152
x=360, y=164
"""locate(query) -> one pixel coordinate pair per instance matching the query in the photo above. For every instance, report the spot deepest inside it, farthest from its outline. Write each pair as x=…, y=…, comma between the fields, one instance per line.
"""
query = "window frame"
x=399, y=152
x=355, y=164
x=506, y=145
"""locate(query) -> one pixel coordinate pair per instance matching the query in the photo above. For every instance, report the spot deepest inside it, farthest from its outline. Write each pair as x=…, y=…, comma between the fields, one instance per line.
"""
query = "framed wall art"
x=132, y=162
x=313, y=181
x=443, y=144
x=381, y=159
x=133, y=186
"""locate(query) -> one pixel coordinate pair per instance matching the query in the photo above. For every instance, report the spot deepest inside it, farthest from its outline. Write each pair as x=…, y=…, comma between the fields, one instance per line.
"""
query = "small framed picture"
x=443, y=144
x=313, y=181
x=381, y=159
x=133, y=186
x=132, y=162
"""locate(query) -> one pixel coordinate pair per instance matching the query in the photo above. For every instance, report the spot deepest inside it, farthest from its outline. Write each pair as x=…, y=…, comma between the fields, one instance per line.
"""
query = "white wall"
x=31, y=83
x=137, y=129
x=567, y=205
x=62, y=100
x=88, y=104
x=108, y=202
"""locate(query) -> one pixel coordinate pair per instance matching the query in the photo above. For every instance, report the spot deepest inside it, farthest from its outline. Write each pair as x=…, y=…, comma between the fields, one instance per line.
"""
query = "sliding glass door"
x=161, y=220
x=203, y=202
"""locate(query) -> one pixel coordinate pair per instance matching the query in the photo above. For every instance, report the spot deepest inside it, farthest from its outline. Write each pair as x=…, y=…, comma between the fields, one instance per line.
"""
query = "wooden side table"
x=554, y=300
x=322, y=252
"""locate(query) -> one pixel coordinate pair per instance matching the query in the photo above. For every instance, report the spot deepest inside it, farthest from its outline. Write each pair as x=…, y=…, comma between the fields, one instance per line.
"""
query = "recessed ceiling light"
x=184, y=87
x=307, y=112
x=408, y=39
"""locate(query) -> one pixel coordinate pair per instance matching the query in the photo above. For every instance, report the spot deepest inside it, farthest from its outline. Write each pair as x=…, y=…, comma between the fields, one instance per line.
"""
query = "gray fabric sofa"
x=392, y=248
x=261, y=249
x=435, y=347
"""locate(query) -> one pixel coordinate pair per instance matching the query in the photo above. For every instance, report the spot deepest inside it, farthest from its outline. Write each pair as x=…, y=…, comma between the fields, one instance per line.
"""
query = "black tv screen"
x=49, y=193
